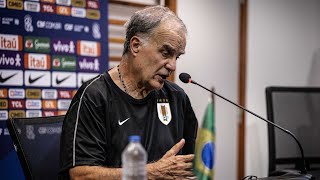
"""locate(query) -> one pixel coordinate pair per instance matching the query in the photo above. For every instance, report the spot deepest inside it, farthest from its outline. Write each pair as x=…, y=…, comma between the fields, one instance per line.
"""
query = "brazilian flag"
x=204, y=156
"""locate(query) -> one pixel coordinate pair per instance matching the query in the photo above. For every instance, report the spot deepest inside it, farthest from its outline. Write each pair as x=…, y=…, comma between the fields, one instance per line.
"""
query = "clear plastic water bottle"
x=134, y=159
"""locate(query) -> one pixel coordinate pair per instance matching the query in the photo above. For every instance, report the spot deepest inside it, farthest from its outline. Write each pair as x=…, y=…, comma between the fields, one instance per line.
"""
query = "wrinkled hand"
x=172, y=166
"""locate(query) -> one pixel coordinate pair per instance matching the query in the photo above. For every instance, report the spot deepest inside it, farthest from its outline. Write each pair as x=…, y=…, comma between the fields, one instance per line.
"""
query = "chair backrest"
x=298, y=110
x=37, y=142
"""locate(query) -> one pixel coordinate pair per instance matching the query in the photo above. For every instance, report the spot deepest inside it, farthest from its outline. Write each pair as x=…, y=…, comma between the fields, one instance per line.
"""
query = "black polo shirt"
x=101, y=117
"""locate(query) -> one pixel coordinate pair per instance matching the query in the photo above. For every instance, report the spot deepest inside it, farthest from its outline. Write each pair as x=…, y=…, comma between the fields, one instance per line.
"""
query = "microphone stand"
x=303, y=168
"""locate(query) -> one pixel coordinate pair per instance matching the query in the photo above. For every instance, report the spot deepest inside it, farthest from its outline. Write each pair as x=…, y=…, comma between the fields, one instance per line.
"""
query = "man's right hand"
x=171, y=165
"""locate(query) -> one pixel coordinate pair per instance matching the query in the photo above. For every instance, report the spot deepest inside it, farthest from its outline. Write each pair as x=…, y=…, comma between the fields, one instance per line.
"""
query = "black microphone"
x=186, y=78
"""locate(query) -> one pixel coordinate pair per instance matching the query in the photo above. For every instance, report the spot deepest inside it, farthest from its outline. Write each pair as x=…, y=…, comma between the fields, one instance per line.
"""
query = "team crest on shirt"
x=164, y=112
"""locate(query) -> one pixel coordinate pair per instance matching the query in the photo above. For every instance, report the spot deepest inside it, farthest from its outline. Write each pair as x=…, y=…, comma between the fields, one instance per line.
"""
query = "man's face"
x=157, y=57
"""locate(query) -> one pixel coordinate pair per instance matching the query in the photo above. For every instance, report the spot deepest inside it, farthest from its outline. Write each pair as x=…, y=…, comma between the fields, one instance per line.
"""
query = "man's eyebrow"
x=168, y=48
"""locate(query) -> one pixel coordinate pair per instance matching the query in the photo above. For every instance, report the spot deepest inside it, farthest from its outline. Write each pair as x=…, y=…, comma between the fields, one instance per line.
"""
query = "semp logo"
x=48, y=8
x=11, y=60
x=17, y=104
x=63, y=79
x=16, y=93
x=17, y=114
x=49, y=113
x=93, y=4
x=37, y=78
x=78, y=12
x=33, y=104
x=64, y=2
x=67, y=63
x=36, y=61
x=15, y=4
x=88, y=48
x=11, y=77
x=3, y=104
x=3, y=115
x=33, y=93
x=64, y=104
x=64, y=94
x=49, y=94
x=88, y=64
x=63, y=46
x=33, y=113
x=32, y=6
x=49, y=104
x=83, y=77
x=10, y=42
x=37, y=44
x=3, y=3
x=93, y=14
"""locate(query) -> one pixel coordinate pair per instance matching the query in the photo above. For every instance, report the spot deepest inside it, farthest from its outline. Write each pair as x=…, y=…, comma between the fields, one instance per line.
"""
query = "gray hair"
x=143, y=22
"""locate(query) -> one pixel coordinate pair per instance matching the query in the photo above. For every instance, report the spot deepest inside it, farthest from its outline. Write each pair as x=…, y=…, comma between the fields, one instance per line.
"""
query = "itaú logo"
x=10, y=42
x=88, y=48
x=37, y=61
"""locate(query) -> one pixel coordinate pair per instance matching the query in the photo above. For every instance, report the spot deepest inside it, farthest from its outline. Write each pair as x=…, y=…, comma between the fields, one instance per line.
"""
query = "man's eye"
x=165, y=53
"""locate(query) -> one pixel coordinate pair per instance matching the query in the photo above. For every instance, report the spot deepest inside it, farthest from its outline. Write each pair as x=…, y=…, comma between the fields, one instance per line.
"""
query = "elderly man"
x=134, y=98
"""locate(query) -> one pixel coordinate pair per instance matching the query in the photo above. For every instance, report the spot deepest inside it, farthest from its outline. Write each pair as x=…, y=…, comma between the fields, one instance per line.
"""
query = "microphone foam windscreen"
x=184, y=77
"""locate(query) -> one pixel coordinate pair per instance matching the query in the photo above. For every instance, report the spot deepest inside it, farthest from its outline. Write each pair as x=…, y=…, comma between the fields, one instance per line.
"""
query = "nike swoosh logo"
x=59, y=81
x=122, y=122
x=3, y=80
x=34, y=79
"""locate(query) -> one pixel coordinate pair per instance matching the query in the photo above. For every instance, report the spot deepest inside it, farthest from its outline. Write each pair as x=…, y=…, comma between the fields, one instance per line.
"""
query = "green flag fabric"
x=203, y=165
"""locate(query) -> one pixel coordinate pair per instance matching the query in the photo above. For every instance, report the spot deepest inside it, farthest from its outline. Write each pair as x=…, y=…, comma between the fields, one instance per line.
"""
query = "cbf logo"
x=28, y=23
x=164, y=112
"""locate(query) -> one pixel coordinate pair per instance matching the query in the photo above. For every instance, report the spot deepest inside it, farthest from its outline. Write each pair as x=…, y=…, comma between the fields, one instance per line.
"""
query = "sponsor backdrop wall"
x=48, y=48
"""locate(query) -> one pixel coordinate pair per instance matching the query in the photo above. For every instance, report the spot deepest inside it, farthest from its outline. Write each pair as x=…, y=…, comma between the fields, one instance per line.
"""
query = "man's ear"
x=135, y=44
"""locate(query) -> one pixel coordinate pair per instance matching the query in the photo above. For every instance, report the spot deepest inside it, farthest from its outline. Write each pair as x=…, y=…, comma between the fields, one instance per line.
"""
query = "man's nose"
x=171, y=65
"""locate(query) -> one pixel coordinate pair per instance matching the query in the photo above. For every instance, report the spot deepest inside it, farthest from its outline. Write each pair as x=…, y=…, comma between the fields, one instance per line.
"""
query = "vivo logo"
x=10, y=59
x=89, y=64
x=63, y=46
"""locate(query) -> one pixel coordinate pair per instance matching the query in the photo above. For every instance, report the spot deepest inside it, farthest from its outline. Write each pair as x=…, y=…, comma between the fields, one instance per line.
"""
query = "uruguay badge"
x=164, y=112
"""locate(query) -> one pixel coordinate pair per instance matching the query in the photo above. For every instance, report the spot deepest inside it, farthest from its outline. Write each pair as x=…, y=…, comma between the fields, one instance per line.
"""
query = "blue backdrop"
x=48, y=48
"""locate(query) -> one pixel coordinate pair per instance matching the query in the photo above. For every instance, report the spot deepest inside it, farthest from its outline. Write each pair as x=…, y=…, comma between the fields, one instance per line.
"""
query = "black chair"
x=298, y=110
x=37, y=142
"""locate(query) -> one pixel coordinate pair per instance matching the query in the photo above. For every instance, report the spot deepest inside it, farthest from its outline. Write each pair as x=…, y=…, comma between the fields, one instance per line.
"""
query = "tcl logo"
x=88, y=48
x=36, y=61
x=49, y=113
x=16, y=104
x=48, y=8
x=93, y=4
x=10, y=42
x=64, y=94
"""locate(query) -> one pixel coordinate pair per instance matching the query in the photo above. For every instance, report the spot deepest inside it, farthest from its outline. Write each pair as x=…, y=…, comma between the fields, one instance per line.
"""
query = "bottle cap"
x=134, y=138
